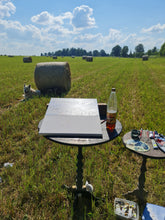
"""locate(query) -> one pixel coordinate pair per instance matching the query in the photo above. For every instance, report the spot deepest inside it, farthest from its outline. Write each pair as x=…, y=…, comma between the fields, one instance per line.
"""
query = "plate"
x=137, y=145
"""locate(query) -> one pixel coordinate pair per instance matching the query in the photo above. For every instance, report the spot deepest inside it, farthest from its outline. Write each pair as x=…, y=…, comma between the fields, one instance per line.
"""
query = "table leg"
x=83, y=199
x=79, y=178
x=142, y=175
x=139, y=192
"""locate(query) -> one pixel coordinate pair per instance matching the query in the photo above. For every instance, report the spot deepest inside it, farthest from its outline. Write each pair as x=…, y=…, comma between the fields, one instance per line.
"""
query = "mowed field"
x=31, y=189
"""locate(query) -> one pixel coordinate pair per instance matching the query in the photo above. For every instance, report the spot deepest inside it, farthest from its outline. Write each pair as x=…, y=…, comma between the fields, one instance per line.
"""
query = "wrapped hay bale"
x=53, y=76
x=27, y=59
x=89, y=58
x=84, y=57
x=145, y=57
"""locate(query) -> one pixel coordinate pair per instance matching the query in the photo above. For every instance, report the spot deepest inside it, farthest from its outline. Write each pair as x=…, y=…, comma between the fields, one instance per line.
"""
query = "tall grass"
x=31, y=189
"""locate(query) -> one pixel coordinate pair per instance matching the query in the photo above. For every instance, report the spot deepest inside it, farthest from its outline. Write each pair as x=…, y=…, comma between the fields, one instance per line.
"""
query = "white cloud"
x=45, y=18
x=3, y=37
x=59, y=30
x=118, y=37
x=33, y=35
x=55, y=30
x=113, y=38
x=82, y=17
x=129, y=39
x=6, y=9
x=154, y=29
x=87, y=38
x=64, y=16
x=9, y=24
x=15, y=30
x=47, y=32
x=114, y=35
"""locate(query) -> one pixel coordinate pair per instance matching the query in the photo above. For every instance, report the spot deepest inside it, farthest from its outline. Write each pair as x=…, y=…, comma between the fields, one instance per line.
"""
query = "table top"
x=154, y=154
x=107, y=136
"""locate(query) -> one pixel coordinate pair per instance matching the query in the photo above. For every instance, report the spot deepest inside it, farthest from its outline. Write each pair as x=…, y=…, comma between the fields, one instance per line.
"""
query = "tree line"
x=76, y=52
x=116, y=51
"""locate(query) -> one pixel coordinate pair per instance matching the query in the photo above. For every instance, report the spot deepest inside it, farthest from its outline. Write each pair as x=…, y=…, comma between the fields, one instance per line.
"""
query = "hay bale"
x=84, y=57
x=145, y=57
x=54, y=57
x=55, y=76
x=89, y=59
x=27, y=59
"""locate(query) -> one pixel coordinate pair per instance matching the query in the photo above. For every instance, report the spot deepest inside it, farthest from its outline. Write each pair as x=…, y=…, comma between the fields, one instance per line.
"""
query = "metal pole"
x=79, y=179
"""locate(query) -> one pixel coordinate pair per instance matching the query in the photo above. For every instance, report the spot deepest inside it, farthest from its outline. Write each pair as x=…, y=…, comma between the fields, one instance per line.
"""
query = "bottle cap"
x=113, y=89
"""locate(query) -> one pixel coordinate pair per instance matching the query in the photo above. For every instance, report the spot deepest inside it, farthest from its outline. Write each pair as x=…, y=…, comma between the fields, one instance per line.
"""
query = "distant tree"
x=96, y=53
x=162, y=50
x=73, y=51
x=79, y=52
x=139, y=49
x=103, y=53
x=64, y=52
x=58, y=53
x=131, y=54
x=154, y=50
x=149, y=52
x=116, y=51
x=84, y=52
x=124, y=51
x=89, y=53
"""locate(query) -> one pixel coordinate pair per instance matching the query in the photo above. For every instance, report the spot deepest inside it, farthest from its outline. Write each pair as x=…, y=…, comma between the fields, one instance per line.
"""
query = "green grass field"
x=31, y=189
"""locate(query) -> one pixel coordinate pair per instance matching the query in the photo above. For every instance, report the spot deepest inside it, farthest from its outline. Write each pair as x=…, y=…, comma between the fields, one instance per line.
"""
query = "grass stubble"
x=31, y=189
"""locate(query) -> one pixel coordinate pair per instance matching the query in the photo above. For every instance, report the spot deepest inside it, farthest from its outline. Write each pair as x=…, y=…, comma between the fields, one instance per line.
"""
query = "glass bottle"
x=111, y=110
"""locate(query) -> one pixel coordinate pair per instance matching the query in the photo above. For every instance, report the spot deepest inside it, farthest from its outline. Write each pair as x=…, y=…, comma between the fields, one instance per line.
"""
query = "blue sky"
x=32, y=27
